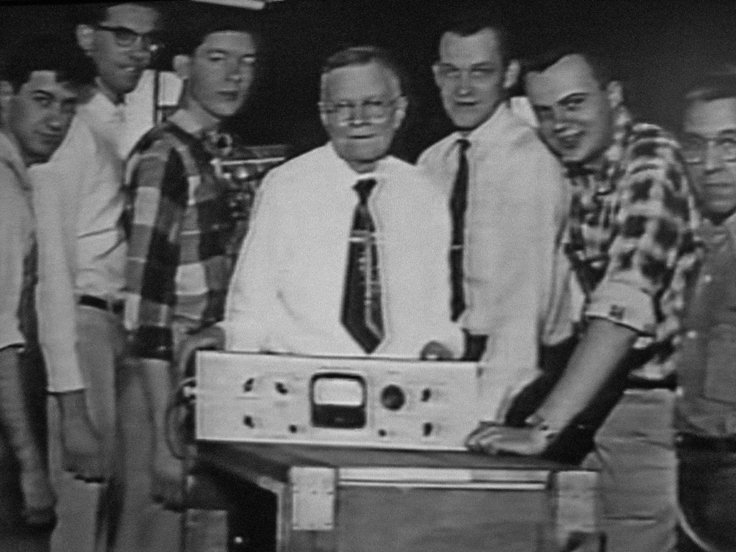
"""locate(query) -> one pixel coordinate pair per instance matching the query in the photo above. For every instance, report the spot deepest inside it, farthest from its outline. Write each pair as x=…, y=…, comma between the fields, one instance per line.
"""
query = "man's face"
x=219, y=75
x=471, y=77
x=39, y=114
x=709, y=147
x=361, y=110
x=575, y=112
x=119, y=64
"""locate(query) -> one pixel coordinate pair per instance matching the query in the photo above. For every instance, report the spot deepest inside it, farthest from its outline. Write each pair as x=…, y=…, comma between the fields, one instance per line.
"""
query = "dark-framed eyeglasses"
x=373, y=110
x=128, y=38
x=695, y=148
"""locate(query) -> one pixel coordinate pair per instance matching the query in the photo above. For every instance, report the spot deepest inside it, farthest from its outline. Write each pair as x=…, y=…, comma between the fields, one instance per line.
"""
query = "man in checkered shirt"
x=629, y=243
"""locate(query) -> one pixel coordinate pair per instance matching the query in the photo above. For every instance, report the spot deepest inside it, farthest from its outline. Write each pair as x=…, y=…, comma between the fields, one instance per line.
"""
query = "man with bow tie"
x=629, y=243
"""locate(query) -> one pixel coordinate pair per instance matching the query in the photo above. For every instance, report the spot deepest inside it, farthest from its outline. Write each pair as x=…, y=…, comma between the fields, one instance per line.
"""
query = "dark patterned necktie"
x=361, y=307
x=458, y=205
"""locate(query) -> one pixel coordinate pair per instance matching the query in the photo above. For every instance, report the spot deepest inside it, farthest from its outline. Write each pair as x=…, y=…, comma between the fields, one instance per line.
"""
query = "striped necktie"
x=361, y=309
x=458, y=205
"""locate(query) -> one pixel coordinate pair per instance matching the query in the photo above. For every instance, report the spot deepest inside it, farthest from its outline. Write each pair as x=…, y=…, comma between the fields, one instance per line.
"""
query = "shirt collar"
x=102, y=108
x=488, y=128
x=347, y=173
x=184, y=120
x=10, y=154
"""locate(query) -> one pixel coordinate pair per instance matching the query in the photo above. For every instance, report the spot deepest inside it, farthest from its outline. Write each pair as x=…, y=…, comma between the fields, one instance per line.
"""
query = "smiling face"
x=361, y=109
x=38, y=115
x=218, y=76
x=709, y=145
x=472, y=77
x=119, y=68
x=574, y=110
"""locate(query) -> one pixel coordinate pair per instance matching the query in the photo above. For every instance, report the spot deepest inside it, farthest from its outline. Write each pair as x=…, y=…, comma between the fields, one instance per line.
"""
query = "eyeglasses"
x=374, y=110
x=695, y=148
x=127, y=38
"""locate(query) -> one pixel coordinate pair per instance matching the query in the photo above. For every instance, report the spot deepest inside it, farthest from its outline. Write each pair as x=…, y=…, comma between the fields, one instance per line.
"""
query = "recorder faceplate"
x=343, y=401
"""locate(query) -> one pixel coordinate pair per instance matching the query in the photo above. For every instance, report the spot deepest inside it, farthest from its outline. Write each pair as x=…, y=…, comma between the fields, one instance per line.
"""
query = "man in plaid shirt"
x=180, y=225
x=629, y=243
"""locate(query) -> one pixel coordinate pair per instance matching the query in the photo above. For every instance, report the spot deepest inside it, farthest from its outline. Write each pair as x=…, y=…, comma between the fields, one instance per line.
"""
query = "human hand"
x=434, y=350
x=81, y=449
x=167, y=477
x=209, y=338
x=493, y=438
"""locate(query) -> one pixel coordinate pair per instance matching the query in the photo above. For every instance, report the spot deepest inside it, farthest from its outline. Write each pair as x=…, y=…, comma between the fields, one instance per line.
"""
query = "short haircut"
x=599, y=63
x=46, y=52
x=715, y=84
x=471, y=22
x=96, y=12
x=364, y=55
x=195, y=22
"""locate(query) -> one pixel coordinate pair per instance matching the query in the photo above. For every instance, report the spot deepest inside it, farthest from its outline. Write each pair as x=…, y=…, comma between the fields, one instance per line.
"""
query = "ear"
x=322, y=115
x=512, y=74
x=182, y=66
x=6, y=94
x=436, y=73
x=85, y=38
x=400, y=111
x=615, y=94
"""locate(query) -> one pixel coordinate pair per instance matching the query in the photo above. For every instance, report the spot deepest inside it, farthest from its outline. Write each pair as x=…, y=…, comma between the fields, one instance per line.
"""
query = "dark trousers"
x=707, y=494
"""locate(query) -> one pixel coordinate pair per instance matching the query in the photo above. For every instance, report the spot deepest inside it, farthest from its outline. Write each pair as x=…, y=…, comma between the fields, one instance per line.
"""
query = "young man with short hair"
x=43, y=79
x=507, y=199
x=78, y=200
x=629, y=242
x=178, y=265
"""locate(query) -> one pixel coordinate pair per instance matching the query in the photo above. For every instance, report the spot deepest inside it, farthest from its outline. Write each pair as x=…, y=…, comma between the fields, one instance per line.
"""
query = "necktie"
x=458, y=205
x=361, y=308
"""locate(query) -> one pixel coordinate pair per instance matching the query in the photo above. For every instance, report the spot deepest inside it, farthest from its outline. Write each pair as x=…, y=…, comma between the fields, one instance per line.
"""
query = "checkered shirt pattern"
x=178, y=267
x=631, y=227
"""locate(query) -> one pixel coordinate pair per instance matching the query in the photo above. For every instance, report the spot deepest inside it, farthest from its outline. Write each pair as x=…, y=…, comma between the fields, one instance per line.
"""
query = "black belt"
x=115, y=307
x=711, y=444
x=638, y=382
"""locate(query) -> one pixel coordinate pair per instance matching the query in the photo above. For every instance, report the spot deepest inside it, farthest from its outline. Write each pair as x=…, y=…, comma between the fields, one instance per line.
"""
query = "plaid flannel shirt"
x=630, y=236
x=180, y=226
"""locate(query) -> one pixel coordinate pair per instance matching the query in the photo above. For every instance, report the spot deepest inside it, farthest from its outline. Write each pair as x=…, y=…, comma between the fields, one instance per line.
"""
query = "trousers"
x=635, y=455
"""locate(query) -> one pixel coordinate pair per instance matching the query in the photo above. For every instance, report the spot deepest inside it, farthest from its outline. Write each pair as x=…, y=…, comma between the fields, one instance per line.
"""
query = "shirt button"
x=707, y=278
x=691, y=334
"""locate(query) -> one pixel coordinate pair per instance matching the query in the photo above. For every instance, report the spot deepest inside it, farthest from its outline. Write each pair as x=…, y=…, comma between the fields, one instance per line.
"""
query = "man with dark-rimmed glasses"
x=79, y=202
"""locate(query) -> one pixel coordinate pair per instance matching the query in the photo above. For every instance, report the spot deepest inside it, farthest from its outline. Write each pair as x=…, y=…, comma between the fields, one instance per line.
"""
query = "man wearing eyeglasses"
x=706, y=405
x=344, y=256
x=506, y=196
x=78, y=200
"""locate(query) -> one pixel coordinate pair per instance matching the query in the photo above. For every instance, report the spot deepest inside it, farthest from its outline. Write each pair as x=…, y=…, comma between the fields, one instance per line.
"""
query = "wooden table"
x=311, y=498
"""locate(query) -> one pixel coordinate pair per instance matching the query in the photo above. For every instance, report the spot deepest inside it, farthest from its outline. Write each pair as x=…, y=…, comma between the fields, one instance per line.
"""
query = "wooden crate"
x=291, y=498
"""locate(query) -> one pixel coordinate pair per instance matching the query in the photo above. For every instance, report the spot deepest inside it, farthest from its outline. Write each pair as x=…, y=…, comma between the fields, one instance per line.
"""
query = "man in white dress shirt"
x=78, y=201
x=507, y=198
x=291, y=291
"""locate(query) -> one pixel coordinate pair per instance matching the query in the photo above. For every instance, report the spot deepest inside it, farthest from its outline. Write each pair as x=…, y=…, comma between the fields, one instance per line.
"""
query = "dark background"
x=658, y=46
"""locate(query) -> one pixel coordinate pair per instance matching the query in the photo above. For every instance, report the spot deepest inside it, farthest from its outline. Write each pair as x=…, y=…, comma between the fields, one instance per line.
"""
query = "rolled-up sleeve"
x=653, y=219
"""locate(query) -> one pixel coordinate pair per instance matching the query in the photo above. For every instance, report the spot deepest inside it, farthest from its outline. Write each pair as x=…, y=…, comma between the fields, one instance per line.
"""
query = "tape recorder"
x=371, y=402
